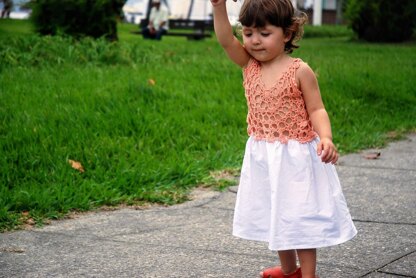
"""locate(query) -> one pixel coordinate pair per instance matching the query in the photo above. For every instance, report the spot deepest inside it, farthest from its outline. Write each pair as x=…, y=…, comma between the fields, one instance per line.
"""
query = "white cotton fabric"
x=289, y=198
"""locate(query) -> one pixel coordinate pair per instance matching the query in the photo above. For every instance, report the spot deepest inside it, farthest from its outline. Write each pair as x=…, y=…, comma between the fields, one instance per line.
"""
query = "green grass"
x=91, y=101
x=13, y=28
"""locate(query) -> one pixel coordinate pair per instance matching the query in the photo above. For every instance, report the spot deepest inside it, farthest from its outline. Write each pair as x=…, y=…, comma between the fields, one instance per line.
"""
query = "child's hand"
x=327, y=151
x=219, y=2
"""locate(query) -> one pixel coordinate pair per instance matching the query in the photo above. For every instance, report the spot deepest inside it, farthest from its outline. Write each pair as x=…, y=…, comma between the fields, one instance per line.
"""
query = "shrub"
x=382, y=20
x=78, y=18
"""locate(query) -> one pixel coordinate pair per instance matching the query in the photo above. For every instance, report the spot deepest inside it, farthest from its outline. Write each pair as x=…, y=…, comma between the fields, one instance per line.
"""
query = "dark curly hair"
x=280, y=13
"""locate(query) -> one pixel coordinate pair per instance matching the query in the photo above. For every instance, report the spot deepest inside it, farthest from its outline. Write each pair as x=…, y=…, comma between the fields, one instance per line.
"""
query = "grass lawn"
x=148, y=121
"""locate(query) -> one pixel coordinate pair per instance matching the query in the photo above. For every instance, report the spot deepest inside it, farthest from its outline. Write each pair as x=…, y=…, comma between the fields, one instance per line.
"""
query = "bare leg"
x=288, y=261
x=307, y=259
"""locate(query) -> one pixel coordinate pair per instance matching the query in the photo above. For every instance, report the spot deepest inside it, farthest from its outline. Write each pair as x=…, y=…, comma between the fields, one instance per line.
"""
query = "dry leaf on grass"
x=27, y=221
x=151, y=82
x=76, y=165
x=373, y=155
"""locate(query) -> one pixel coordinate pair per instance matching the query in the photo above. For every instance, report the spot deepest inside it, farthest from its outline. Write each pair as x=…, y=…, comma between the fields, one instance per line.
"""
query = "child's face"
x=265, y=43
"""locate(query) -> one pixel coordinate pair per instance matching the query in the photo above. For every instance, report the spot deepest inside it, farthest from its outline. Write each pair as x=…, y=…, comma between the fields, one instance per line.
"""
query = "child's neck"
x=278, y=60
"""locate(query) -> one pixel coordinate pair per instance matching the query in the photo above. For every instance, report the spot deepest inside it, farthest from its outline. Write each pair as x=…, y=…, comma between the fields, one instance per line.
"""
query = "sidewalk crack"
x=378, y=269
x=384, y=222
x=376, y=167
x=395, y=274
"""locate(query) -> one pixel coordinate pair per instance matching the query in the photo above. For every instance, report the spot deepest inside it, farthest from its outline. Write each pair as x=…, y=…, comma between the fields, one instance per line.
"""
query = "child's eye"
x=247, y=34
x=265, y=34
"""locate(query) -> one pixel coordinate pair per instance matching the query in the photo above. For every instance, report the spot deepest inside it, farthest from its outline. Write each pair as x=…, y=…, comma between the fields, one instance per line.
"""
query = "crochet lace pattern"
x=277, y=113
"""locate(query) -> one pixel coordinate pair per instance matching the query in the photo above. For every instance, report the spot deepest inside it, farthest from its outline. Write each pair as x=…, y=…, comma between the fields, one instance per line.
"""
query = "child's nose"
x=256, y=39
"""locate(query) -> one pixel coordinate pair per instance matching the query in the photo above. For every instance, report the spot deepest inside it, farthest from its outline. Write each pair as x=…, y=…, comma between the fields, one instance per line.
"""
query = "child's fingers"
x=216, y=2
x=335, y=159
x=329, y=154
x=326, y=155
x=319, y=148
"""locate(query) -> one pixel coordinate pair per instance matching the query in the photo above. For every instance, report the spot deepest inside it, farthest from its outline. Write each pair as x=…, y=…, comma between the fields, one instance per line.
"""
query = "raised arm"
x=225, y=36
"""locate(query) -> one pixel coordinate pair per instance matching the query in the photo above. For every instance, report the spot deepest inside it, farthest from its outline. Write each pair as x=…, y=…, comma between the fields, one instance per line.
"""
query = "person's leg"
x=160, y=33
x=288, y=261
x=288, y=267
x=146, y=33
x=307, y=259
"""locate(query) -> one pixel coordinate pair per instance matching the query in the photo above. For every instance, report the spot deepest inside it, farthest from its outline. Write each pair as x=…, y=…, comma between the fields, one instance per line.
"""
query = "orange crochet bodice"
x=278, y=113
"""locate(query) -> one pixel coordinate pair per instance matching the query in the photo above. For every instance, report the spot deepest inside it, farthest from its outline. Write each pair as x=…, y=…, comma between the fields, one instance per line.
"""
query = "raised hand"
x=219, y=2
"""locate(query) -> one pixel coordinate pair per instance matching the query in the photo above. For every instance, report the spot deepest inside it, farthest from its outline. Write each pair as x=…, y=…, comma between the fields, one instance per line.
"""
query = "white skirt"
x=289, y=198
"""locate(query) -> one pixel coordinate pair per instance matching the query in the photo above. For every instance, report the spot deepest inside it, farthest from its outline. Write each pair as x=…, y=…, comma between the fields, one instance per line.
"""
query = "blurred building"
x=135, y=10
x=328, y=13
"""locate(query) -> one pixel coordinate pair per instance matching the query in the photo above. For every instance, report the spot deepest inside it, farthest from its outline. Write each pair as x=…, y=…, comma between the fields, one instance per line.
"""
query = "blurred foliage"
x=77, y=18
x=382, y=20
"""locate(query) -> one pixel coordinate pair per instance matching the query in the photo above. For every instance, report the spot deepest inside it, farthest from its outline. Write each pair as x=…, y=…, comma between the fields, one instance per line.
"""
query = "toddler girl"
x=289, y=193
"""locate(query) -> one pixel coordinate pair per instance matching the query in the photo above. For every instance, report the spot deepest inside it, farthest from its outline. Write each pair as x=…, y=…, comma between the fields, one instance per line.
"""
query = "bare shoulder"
x=305, y=71
x=305, y=77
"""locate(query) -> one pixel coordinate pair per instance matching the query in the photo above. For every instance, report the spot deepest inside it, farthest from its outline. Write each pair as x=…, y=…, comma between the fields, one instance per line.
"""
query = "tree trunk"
x=339, y=17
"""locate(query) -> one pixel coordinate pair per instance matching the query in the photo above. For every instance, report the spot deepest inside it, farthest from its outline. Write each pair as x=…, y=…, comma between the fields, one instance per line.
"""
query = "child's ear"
x=288, y=36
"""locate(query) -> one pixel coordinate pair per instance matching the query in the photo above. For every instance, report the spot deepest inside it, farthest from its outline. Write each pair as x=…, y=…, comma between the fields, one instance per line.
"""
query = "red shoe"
x=276, y=272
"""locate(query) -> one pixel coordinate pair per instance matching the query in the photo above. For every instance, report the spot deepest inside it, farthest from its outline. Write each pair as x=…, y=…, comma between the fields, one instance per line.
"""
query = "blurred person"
x=158, y=22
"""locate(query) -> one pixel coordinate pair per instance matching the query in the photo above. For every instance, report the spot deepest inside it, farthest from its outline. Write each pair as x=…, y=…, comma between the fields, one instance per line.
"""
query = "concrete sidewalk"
x=194, y=239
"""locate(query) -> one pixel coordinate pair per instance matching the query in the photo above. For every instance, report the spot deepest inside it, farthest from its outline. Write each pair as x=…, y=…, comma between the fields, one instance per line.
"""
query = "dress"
x=286, y=196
